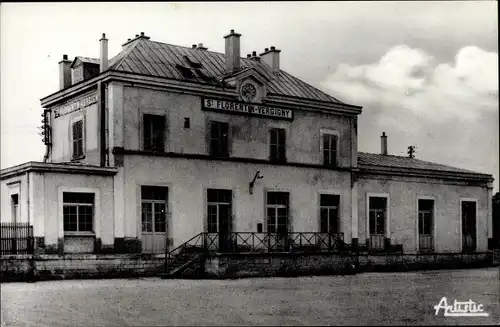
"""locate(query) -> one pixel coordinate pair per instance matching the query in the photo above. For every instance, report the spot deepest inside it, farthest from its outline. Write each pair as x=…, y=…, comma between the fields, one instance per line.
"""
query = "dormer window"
x=186, y=72
x=84, y=68
x=192, y=63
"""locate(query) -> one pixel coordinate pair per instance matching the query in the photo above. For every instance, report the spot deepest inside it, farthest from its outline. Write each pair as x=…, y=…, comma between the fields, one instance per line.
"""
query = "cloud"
x=450, y=108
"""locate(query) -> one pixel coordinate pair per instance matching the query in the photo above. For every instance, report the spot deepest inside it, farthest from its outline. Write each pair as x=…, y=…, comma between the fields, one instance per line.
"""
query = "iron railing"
x=250, y=242
x=16, y=238
x=195, y=245
x=239, y=242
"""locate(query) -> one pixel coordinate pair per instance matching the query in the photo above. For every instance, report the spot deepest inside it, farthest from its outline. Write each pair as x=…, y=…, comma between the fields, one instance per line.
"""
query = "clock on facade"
x=248, y=92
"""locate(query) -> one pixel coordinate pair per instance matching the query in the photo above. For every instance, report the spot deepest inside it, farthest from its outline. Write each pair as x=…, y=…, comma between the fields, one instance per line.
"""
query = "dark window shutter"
x=224, y=139
x=282, y=140
x=147, y=133
x=159, y=133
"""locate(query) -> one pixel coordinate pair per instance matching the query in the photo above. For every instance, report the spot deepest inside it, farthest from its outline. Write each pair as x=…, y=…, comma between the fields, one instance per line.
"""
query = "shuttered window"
x=278, y=145
x=77, y=139
x=154, y=133
x=219, y=139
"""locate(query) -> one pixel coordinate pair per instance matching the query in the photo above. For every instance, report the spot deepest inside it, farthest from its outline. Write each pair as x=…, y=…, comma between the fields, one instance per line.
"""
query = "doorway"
x=219, y=219
x=377, y=222
x=468, y=226
x=277, y=220
x=154, y=210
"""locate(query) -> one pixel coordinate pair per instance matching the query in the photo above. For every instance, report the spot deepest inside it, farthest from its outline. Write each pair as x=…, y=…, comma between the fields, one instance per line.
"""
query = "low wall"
x=43, y=267
x=276, y=264
x=40, y=267
x=288, y=264
x=407, y=262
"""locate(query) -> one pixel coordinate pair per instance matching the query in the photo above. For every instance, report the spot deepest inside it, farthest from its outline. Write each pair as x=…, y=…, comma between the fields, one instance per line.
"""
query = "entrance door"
x=277, y=220
x=378, y=211
x=329, y=220
x=154, y=219
x=219, y=219
x=469, y=226
x=425, y=225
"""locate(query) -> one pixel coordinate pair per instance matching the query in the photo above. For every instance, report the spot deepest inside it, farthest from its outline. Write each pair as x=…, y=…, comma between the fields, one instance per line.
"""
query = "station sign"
x=76, y=105
x=252, y=109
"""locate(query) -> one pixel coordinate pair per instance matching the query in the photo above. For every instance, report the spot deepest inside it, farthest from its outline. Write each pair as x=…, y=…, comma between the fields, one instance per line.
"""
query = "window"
x=425, y=208
x=329, y=149
x=278, y=145
x=78, y=212
x=186, y=72
x=277, y=212
x=192, y=63
x=154, y=209
x=186, y=122
x=154, y=132
x=15, y=207
x=329, y=212
x=77, y=140
x=378, y=207
x=219, y=210
x=219, y=141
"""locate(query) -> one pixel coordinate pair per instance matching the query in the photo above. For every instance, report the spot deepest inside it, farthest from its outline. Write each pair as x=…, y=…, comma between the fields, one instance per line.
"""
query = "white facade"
x=116, y=164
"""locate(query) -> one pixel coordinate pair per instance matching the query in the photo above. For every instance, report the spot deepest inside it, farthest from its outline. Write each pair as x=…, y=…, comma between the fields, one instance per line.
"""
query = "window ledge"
x=88, y=234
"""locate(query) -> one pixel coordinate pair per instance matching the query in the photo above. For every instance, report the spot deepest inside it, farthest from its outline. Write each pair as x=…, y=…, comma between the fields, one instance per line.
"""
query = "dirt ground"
x=364, y=299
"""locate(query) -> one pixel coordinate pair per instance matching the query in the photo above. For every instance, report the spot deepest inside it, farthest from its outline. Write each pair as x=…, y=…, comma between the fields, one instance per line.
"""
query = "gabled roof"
x=390, y=161
x=86, y=60
x=146, y=57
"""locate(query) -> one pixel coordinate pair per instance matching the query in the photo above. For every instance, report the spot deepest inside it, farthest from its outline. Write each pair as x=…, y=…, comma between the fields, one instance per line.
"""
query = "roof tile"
x=381, y=160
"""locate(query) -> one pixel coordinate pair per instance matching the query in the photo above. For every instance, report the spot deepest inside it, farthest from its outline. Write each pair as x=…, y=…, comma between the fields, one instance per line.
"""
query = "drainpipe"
x=28, y=197
x=46, y=156
x=102, y=112
x=101, y=89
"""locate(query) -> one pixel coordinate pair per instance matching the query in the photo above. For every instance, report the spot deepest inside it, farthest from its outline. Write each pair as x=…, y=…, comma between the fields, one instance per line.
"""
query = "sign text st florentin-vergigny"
x=247, y=108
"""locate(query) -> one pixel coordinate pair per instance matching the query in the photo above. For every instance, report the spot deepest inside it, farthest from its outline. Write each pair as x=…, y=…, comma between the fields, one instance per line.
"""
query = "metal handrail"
x=248, y=242
x=292, y=241
x=170, y=255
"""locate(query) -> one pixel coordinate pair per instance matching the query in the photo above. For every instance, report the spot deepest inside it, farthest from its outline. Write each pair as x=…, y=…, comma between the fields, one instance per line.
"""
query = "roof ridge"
x=183, y=46
x=125, y=52
x=87, y=57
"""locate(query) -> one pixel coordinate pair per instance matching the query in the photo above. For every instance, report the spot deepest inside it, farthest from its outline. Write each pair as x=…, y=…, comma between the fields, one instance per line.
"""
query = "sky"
x=425, y=73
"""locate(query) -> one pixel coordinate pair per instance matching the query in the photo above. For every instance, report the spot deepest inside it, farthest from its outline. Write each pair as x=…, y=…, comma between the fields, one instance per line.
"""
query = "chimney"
x=383, y=143
x=64, y=73
x=104, y=53
x=254, y=56
x=193, y=46
x=272, y=58
x=232, y=52
x=201, y=47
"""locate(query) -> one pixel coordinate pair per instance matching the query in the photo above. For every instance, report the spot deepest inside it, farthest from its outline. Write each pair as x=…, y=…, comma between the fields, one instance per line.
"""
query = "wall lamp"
x=257, y=176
